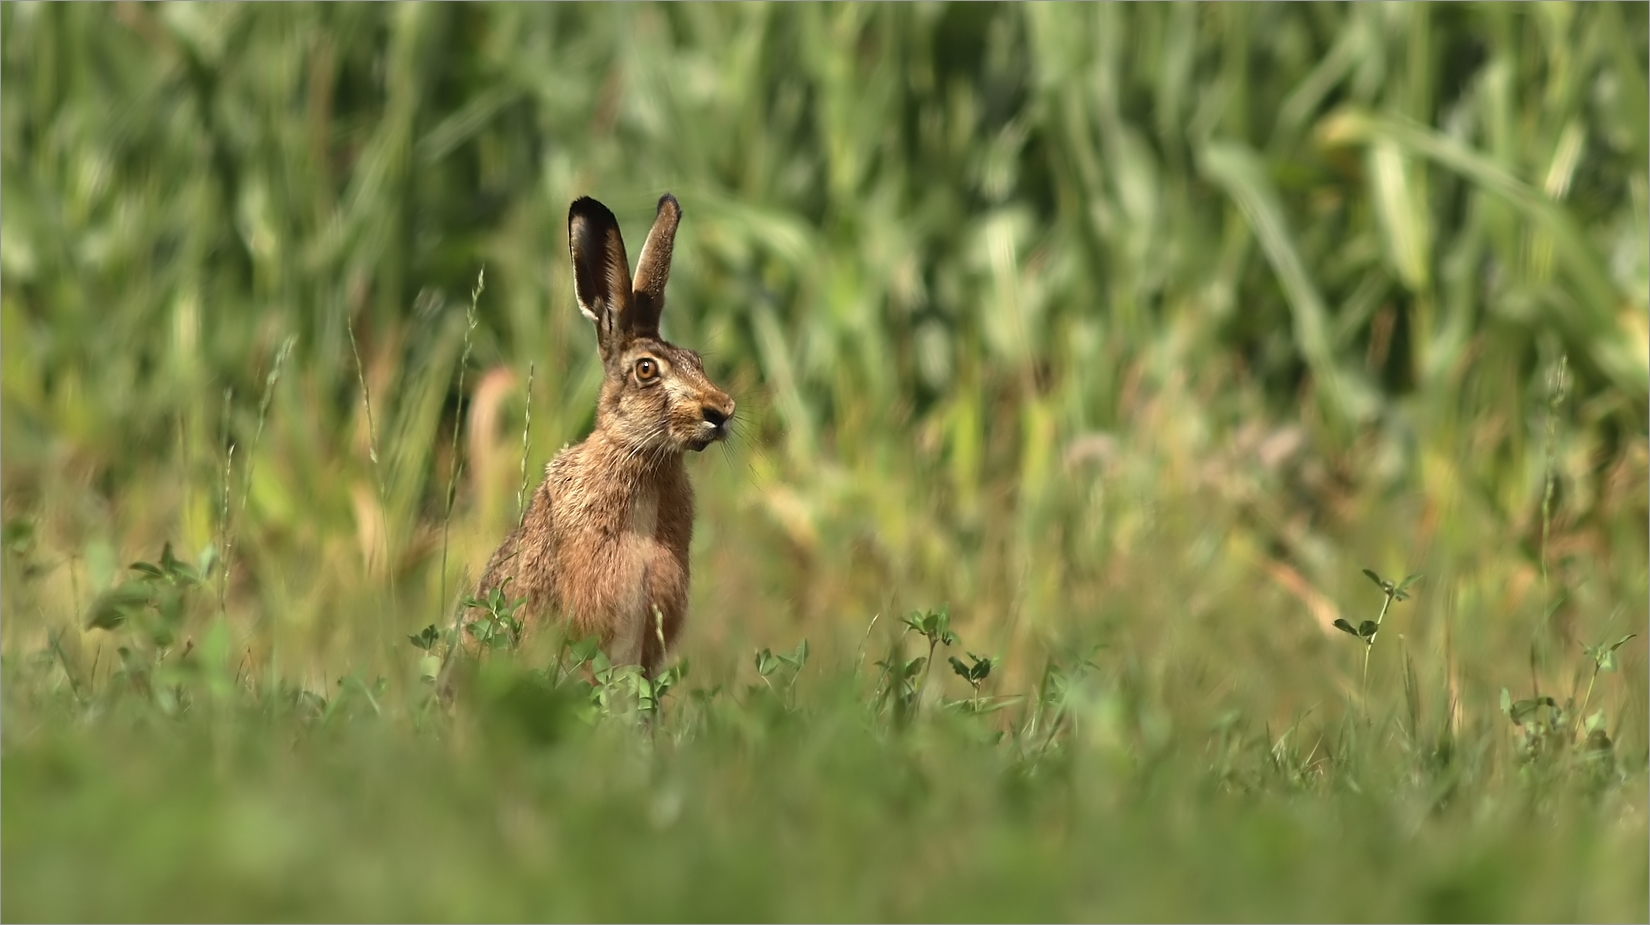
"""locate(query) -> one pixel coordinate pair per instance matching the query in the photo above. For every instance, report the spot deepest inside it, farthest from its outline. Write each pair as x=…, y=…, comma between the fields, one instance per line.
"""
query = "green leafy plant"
x=620, y=689
x=902, y=680
x=785, y=667
x=426, y=638
x=429, y=665
x=154, y=599
x=650, y=692
x=498, y=626
x=1542, y=723
x=934, y=626
x=1369, y=629
x=613, y=689
x=1547, y=728
x=1603, y=657
x=974, y=672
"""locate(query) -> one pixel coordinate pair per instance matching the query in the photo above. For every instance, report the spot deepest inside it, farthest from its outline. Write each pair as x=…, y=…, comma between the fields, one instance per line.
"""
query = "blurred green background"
x=1132, y=333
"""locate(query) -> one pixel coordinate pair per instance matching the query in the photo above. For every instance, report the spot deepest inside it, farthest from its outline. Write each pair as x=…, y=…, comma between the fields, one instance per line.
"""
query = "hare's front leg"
x=667, y=590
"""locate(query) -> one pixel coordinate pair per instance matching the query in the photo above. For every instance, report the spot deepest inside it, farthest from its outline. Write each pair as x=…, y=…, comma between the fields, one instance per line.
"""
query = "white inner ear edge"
x=641, y=263
x=585, y=311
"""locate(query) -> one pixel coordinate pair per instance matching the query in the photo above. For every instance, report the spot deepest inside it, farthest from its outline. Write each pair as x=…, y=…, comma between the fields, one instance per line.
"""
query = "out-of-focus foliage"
x=904, y=201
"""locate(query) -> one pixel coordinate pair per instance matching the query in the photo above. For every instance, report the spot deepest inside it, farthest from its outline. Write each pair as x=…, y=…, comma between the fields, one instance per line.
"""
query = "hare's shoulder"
x=528, y=553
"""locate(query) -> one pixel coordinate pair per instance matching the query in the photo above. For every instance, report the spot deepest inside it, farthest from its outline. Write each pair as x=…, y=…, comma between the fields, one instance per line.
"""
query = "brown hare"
x=605, y=540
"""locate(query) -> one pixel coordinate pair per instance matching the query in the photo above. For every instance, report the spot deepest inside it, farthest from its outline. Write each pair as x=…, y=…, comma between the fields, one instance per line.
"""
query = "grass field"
x=1087, y=356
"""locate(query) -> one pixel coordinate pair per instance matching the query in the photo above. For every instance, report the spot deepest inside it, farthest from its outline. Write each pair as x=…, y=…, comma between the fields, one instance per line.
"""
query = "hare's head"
x=655, y=397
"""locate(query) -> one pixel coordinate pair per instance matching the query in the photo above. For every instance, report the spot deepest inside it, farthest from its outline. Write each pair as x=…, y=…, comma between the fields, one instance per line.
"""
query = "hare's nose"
x=715, y=416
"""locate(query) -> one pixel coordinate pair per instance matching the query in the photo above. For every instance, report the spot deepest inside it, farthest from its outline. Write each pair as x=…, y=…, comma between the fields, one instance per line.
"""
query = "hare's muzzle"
x=714, y=426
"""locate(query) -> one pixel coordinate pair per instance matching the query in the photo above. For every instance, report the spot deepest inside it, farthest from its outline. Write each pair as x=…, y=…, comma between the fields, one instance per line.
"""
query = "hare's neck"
x=635, y=486
x=630, y=474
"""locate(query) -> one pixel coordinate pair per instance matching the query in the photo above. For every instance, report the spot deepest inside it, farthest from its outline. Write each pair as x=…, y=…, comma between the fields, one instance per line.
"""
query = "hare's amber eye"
x=647, y=369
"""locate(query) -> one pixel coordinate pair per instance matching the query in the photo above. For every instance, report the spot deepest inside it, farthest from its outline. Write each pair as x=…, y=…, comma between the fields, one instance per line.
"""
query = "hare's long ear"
x=601, y=274
x=653, y=269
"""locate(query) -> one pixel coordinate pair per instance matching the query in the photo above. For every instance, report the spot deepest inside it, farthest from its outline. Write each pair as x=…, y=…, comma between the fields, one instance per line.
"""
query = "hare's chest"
x=641, y=522
x=633, y=593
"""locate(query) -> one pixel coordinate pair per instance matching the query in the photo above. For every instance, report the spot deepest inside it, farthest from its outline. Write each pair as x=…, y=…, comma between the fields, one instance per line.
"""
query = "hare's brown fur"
x=605, y=540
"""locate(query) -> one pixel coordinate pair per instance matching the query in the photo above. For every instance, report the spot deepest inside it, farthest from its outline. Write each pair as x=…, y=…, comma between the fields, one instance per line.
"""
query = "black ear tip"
x=590, y=210
x=668, y=199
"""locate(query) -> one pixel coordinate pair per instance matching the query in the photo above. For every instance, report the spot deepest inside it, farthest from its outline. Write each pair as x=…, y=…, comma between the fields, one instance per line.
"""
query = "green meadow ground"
x=1125, y=337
